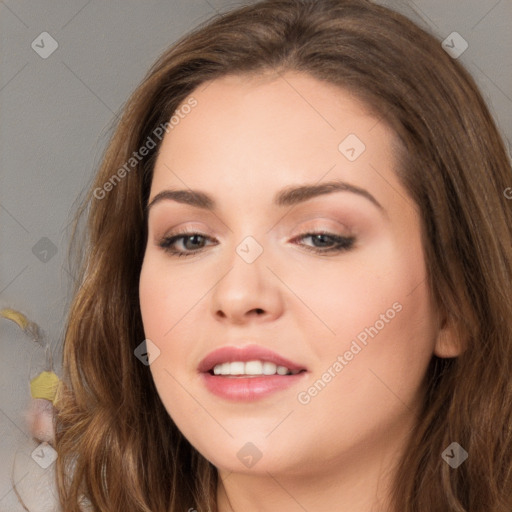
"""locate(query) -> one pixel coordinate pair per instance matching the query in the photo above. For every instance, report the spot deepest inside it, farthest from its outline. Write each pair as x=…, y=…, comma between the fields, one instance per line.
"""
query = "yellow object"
x=23, y=322
x=15, y=316
x=44, y=386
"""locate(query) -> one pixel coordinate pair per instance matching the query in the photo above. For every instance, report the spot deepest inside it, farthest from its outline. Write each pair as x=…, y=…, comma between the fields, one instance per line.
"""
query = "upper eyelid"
x=309, y=230
x=314, y=221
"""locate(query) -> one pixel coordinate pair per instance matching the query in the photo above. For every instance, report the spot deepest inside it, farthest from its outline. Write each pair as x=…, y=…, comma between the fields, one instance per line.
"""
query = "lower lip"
x=246, y=389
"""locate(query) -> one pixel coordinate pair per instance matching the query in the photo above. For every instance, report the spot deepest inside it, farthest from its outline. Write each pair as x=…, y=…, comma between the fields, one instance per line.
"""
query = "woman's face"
x=263, y=167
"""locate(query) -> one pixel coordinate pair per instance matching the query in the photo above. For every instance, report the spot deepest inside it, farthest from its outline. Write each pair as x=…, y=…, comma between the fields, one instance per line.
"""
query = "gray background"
x=56, y=114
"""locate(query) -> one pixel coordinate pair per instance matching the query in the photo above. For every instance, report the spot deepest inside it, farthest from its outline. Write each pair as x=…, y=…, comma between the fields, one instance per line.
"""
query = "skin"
x=247, y=139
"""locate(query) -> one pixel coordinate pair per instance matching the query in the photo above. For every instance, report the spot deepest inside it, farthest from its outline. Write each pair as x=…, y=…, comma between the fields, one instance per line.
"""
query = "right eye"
x=192, y=239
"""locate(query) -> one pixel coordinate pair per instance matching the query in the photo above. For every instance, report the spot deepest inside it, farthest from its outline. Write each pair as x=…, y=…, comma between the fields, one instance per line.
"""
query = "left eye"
x=329, y=242
x=193, y=243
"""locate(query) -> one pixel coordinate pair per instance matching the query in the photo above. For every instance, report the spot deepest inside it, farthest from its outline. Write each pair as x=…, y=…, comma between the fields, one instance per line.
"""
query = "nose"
x=247, y=292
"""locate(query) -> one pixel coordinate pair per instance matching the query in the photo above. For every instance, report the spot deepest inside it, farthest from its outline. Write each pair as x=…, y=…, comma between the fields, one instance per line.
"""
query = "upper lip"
x=246, y=353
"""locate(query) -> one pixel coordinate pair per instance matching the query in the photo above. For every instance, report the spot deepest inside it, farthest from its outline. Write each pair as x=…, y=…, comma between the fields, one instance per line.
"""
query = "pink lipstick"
x=248, y=373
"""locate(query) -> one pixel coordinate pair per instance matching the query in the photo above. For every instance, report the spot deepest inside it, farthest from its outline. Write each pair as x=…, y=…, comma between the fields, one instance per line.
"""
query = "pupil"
x=322, y=239
x=193, y=237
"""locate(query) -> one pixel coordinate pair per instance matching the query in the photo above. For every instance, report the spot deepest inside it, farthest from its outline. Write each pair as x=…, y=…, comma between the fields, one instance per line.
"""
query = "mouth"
x=248, y=373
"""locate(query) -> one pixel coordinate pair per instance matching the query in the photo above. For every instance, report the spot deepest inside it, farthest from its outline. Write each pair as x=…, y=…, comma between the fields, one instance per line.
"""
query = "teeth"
x=269, y=368
x=251, y=368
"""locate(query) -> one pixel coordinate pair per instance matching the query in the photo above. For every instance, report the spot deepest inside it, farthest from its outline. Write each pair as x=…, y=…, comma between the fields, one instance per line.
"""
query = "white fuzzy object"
x=40, y=420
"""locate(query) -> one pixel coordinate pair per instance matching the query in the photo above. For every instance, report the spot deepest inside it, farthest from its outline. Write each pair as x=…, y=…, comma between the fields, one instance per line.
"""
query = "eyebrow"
x=290, y=196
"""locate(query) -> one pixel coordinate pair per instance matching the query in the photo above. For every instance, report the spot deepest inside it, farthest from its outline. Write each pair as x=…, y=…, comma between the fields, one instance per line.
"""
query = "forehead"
x=272, y=110
x=253, y=133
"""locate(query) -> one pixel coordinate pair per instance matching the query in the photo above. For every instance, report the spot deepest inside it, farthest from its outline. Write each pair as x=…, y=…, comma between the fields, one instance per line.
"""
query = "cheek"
x=173, y=304
x=165, y=296
x=377, y=383
x=385, y=337
x=153, y=297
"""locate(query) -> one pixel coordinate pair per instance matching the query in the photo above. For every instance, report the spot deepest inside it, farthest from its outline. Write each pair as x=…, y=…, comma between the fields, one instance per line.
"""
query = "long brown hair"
x=117, y=445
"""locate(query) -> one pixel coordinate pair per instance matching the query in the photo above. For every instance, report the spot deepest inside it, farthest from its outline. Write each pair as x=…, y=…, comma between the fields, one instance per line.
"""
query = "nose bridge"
x=248, y=286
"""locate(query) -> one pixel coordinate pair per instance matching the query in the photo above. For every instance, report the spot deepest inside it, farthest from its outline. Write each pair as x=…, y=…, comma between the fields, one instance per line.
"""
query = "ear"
x=449, y=341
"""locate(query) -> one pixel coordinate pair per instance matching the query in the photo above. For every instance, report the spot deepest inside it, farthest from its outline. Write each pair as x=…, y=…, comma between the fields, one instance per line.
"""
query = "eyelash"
x=342, y=243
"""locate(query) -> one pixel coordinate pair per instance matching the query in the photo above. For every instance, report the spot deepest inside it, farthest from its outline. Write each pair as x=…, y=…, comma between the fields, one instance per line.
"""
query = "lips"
x=247, y=353
x=248, y=388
